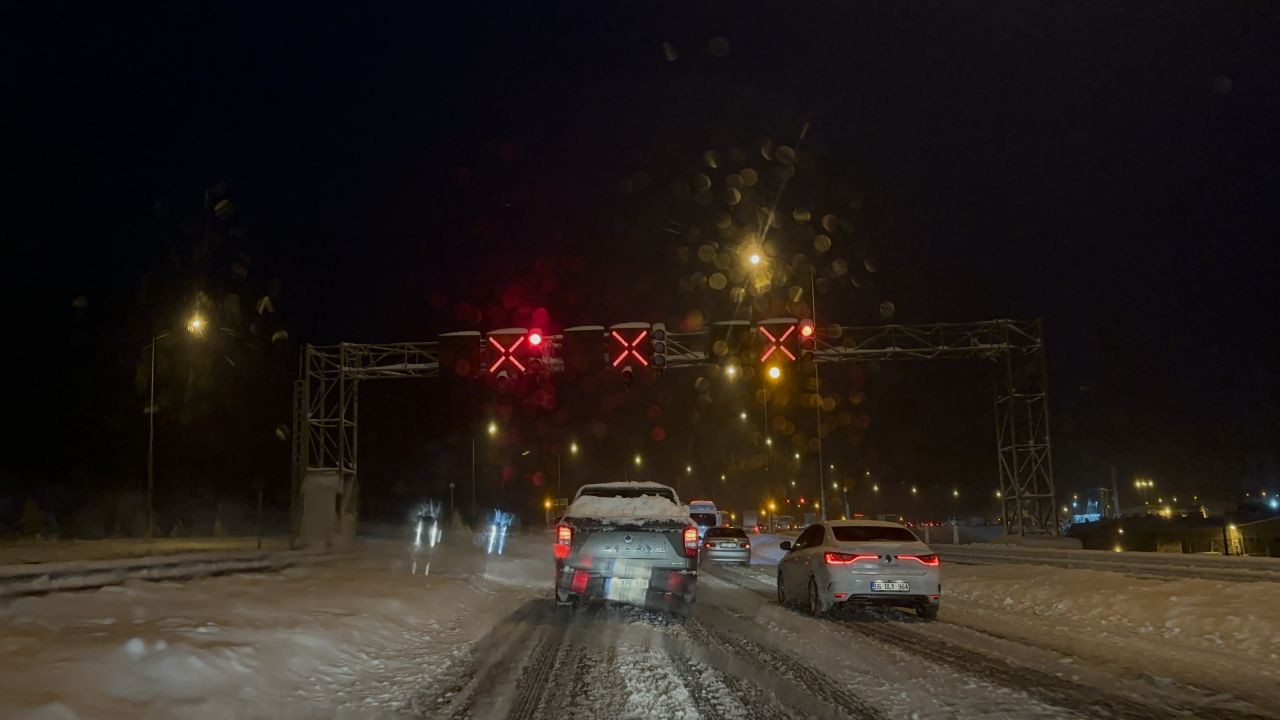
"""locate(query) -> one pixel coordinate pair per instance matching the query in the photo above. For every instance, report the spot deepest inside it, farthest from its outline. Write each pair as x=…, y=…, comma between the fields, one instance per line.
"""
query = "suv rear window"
x=872, y=533
x=726, y=532
x=704, y=518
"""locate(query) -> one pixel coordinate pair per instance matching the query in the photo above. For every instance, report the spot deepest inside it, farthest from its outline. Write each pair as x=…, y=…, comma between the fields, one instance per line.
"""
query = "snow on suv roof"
x=863, y=523
x=629, y=484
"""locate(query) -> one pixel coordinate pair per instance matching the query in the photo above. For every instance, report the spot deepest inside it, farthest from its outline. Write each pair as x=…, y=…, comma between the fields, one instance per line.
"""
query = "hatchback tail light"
x=564, y=538
x=835, y=558
x=930, y=560
x=691, y=541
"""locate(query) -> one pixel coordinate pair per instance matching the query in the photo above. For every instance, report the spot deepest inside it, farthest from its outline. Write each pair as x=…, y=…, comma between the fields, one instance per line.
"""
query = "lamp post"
x=195, y=326
x=491, y=430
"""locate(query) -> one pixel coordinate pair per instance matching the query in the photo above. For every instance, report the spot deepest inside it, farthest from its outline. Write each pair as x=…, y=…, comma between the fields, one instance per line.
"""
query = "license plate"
x=626, y=588
x=890, y=586
x=728, y=545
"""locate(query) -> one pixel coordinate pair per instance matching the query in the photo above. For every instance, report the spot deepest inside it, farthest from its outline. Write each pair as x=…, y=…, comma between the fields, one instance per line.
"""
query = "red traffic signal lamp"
x=808, y=338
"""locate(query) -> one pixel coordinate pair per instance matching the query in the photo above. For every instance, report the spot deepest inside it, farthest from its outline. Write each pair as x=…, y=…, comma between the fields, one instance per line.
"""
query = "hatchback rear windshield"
x=704, y=518
x=726, y=532
x=872, y=533
x=628, y=492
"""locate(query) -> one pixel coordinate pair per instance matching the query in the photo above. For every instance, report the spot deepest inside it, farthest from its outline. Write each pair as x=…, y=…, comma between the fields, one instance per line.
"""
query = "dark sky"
x=1109, y=167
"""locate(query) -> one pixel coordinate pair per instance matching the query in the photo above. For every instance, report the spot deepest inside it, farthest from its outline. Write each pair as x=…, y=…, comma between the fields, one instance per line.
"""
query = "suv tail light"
x=691, y=541
x=930, y=560
x=564, y=538
x=835, y=558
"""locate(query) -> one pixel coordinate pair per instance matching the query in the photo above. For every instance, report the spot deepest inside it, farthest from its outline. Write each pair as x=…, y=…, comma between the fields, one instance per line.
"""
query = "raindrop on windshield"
x=830, y=222
x=786, y=155
x=821, y=243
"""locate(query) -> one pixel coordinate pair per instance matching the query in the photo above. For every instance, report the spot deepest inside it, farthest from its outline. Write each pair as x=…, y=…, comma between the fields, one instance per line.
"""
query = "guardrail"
x=1141, y=564
x=41, y=578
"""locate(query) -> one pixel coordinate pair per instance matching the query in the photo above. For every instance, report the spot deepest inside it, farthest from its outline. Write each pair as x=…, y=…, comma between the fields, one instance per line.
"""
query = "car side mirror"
x=785, y=545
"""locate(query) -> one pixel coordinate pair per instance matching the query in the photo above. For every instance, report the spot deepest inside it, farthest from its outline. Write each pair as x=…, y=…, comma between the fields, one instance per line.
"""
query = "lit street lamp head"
x=755, y=258
x=196, y=324
x=775, y=372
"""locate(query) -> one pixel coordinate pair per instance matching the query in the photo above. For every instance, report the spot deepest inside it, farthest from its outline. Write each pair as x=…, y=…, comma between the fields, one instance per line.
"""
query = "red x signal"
x=505, y=354
x=627, y=348
x=776, y=343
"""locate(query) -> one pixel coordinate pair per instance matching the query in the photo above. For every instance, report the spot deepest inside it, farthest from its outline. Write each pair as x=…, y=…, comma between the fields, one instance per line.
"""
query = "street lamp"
x=775, y=372
x=730, y=371
x=195, y=326
x=742, y=415
x=755, y=258
x=492, y=430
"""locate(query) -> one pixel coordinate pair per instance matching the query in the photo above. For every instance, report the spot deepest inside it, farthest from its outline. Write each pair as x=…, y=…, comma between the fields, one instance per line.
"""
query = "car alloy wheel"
x=815, y=607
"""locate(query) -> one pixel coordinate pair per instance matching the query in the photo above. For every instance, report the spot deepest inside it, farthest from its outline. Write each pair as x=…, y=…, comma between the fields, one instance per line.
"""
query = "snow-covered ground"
x=351, y=636
x=32, y=551
x=454, y=632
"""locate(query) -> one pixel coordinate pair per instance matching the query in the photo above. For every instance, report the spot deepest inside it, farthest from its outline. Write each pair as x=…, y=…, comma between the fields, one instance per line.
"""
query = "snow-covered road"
x=453, y=632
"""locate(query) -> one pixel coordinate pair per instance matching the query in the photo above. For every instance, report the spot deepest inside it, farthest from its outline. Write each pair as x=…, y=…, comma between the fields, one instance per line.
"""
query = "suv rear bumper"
x=634, y=587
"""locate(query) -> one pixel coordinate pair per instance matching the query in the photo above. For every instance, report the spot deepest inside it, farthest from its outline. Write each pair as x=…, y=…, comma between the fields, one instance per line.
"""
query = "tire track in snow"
x=814, y=683
x=1054, y=690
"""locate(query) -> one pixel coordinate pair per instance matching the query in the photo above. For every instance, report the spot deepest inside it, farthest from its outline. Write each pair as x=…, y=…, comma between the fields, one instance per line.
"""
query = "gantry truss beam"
x=326, y=397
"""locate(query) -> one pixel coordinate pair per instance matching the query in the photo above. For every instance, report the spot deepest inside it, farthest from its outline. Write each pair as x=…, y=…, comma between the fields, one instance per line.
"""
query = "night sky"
x=1112, y=168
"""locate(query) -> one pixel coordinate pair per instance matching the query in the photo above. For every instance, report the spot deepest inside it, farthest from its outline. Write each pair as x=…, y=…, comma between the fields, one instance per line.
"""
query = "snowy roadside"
x=38, y=578
x=18, y=552
x=1214, y=634
x=350, y=638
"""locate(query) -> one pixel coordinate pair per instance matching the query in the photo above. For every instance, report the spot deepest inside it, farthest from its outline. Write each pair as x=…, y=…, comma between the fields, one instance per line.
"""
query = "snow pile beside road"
x=646, y=507
x=1241, y=617
x=351, y=637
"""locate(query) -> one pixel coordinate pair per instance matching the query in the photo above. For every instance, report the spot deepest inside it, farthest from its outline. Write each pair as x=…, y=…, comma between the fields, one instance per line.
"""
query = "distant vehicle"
x=632, y=542
x=859, y=562
x=783, y=522
x=704, y=514
x=751, y=522
x=727, y=545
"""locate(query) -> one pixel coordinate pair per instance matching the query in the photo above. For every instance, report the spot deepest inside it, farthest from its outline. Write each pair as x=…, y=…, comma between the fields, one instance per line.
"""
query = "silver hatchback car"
x=726, y=545
x=859, y=562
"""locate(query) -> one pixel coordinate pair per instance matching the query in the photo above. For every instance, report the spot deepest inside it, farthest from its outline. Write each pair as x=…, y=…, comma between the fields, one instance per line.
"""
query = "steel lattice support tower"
x=326, y=398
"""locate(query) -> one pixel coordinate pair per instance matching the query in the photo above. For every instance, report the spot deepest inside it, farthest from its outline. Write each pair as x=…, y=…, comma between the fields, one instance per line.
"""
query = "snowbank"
x=647, y=507
x=1241, y=617
x=354, y=637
